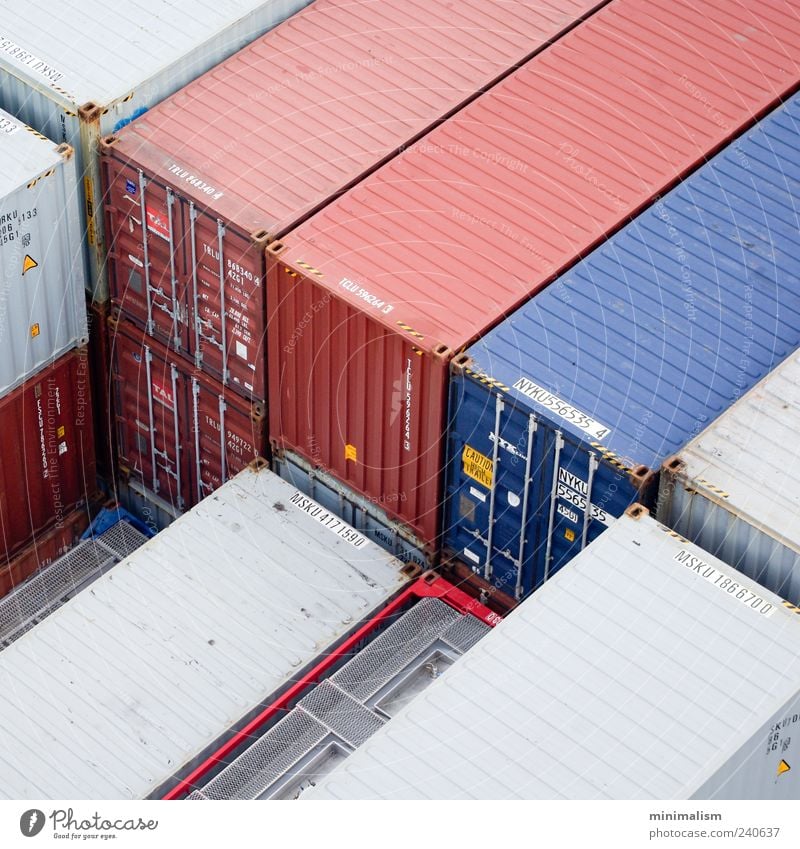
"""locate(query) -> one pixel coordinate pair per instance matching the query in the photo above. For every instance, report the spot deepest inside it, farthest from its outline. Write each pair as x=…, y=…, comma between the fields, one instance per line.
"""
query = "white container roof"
x=92, y=50
x=24, y=154
x=141, y=672
x=749, y=458
x=628, y=675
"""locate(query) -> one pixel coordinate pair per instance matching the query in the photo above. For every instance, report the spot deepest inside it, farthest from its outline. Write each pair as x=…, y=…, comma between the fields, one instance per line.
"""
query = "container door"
x=150, y=396
x=495, y=449
x=226, y=433
x=147, y=265
x=583, y=495
x=228, y=310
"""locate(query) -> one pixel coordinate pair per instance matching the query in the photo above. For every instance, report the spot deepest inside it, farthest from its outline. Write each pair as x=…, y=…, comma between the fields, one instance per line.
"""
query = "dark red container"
x=371, y=299
x=99, y=370
x=43, y=549
x=179, y=433
x=47, y=455
x=199, y=185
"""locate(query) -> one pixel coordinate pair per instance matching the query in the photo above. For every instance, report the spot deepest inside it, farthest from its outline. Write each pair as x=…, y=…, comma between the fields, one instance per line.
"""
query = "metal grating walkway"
x=345, y=710
x=48, y=589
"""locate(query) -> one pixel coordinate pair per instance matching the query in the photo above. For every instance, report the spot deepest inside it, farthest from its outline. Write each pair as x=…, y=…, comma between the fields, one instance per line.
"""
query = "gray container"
x=135, y=679
x=82, y=69
x=42, y=300
x=733, y=490
x=644, y=669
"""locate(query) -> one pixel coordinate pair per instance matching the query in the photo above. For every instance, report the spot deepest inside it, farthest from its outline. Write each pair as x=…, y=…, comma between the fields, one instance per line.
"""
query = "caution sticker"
x=478, y=466
x=28, y=263
x=783, y=767
x=88, y=193
x=351, y=452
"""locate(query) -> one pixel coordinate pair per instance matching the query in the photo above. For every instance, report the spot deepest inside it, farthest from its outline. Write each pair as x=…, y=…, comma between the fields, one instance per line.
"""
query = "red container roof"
x=460, y=229
x=310, y=107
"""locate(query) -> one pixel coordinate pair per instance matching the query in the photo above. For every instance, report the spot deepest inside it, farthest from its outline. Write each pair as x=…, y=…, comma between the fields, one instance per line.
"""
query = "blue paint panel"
x=652, y=336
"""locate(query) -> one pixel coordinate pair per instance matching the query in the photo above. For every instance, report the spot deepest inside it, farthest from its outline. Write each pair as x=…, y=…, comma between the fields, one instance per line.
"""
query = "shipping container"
x=200, y=185
x=47, y=465
x=193, y=632
x=178, y=432
x=42, y=314
x=44, y=548
x=646, y=669
x=364, y=514
x=155, y=513
x=733, y=489
x=81, y=70
x=371, y=298
x=100, y=374
x=562, y=415
x=64, y=568
x=345, y=698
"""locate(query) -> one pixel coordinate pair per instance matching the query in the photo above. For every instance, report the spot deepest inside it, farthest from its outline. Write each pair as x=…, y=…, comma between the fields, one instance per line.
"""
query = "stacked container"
x=733, y=489
x=563, y=415
x=47, y=458
x=198, y=186
x=647, y=669
x=371, y=299
x=179, y=432
x=84, y=69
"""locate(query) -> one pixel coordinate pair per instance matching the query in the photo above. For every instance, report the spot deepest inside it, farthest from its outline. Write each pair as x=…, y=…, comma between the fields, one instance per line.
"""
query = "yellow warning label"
x=478, y=466
x=783, y=767
x=350, y=453
x=28, y=263
x=89, y=194
x=570, y=535
x=60, y=431
x=34, y=331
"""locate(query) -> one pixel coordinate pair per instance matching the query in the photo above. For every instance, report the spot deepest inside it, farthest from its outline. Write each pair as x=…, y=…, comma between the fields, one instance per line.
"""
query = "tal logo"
x=31, y=822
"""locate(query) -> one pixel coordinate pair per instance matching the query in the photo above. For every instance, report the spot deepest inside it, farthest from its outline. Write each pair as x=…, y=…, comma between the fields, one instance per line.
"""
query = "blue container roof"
x=655, y=333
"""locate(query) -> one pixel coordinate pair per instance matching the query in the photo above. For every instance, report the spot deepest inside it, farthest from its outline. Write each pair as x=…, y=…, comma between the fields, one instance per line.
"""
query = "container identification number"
x=724, y=583
x=8, y=126
x=579, y=501
x=361, y=292
x=562, y=408
x=27, y=59
x=326, y=518
x=573, y=489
